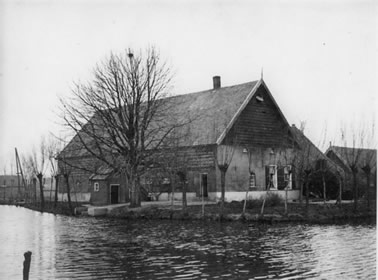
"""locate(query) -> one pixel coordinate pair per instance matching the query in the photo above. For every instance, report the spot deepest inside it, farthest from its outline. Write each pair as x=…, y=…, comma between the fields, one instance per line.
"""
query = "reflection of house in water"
x=243, y=117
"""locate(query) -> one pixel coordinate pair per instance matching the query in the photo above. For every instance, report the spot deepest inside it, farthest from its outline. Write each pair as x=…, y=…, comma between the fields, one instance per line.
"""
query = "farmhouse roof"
x=208, y=113
x=312, y=152
x=360, y=155
x=102, y=173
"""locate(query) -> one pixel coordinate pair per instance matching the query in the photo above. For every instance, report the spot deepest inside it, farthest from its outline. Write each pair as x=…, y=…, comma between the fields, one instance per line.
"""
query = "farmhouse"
x=241, y=122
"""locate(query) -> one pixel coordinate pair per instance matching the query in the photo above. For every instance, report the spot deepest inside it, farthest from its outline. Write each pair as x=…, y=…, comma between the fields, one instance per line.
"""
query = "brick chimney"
x=216, y=82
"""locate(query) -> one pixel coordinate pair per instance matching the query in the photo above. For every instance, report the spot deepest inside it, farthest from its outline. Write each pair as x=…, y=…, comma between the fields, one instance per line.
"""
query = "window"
x=96, y=187
x=271, y=177
x=259, y=98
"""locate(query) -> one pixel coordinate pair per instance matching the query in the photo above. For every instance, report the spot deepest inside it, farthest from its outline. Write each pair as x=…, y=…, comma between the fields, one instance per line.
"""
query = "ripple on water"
x=89, y=248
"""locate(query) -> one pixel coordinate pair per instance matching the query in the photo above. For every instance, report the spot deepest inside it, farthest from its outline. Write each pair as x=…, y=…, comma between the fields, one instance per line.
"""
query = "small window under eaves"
x=259, y=98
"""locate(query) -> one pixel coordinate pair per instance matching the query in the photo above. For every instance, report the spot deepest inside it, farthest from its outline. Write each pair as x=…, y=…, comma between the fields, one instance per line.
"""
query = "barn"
x=240, y=126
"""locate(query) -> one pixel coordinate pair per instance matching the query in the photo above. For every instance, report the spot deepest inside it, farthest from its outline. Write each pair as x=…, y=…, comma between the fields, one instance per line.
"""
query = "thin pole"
x=18, y=174
x=27, y=256
x=203, y=205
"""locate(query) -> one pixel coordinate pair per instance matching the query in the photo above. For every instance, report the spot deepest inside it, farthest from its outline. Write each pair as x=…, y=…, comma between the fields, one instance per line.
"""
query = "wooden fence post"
x=27, y=260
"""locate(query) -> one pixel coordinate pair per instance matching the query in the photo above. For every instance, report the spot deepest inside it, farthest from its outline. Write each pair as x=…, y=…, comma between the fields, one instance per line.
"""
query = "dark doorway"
x=204, y=184
x=114, y=190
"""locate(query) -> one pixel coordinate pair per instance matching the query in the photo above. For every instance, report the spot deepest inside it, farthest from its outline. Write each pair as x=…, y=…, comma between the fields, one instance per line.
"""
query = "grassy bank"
x=61, y=208
x=315, y=213
x=274, y=211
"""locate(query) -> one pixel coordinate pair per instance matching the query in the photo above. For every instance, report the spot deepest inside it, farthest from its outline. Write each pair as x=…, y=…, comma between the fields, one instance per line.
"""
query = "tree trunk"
x=307, y=187
x=307, y=183
x=135, y=191
x=367, y=189
x=51, y=180
x=56, y=190
x=324, y=188
x=68, y=193
x=286, y=200
x=184, y=202
x=35, y=189
x=182, y=178
x=263, y=205
x=245, y=201
x=223, y=189
x=340, y=192
x=40, y=179
x=355, y=191
x=172, y=190
x=301, y=190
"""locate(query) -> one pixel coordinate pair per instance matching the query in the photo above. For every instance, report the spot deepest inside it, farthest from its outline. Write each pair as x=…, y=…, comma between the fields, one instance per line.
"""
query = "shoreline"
x=297, y=213
x=270, y=217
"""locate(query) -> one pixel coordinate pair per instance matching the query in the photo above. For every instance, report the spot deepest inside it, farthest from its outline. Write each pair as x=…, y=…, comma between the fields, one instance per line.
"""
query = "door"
x=204, y=184
x=114, y=194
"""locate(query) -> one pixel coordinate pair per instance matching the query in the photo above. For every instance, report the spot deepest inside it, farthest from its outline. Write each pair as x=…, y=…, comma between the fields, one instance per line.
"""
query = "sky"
x=319, y=58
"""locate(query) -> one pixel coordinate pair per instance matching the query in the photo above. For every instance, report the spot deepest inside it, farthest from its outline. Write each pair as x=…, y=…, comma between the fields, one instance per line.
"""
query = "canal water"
x=92, y=248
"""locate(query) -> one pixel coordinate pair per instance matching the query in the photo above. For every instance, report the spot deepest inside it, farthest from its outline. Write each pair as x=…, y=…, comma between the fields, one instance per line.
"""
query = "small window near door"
x=96, y=187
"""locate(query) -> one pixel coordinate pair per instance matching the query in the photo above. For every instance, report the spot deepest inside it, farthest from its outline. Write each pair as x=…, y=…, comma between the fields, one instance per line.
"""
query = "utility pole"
x=19, y=172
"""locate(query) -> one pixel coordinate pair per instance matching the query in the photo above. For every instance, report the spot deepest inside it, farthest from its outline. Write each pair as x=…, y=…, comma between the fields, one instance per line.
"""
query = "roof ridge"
x=210, y=90
x=342, y=147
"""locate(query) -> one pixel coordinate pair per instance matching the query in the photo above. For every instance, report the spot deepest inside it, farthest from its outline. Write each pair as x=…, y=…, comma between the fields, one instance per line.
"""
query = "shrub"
x=253, y=203
x=272, y=200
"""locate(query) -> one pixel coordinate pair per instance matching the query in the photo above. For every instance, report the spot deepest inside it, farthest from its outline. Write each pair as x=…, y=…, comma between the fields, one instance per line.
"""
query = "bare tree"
x=287, y=155
x=368, y=161
x=53, y=149
x=302, y=162
x=224, y=154
x=252, y=176
x=351, y=153
x=120, y=114
x=65, y=170
x=37, y=163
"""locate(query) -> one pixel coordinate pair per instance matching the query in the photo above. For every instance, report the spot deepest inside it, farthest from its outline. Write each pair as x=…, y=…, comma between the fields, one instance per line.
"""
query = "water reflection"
x=89, y=248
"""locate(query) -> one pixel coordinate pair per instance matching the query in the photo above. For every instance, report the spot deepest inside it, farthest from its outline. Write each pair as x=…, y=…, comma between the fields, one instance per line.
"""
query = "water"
x=90, y=248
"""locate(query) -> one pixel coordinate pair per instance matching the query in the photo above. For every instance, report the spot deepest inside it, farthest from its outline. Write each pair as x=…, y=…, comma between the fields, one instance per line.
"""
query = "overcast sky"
x=319, y=58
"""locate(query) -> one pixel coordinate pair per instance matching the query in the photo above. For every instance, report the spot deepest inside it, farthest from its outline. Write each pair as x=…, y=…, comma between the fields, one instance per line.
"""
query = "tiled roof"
x=349, y=155
x=207, y=114
x=311, y=151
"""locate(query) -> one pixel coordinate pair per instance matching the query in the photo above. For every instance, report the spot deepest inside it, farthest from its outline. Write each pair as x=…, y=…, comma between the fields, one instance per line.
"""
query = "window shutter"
x=281, y=178
x=266, y=177
x=293, y=177
x=252, y=180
